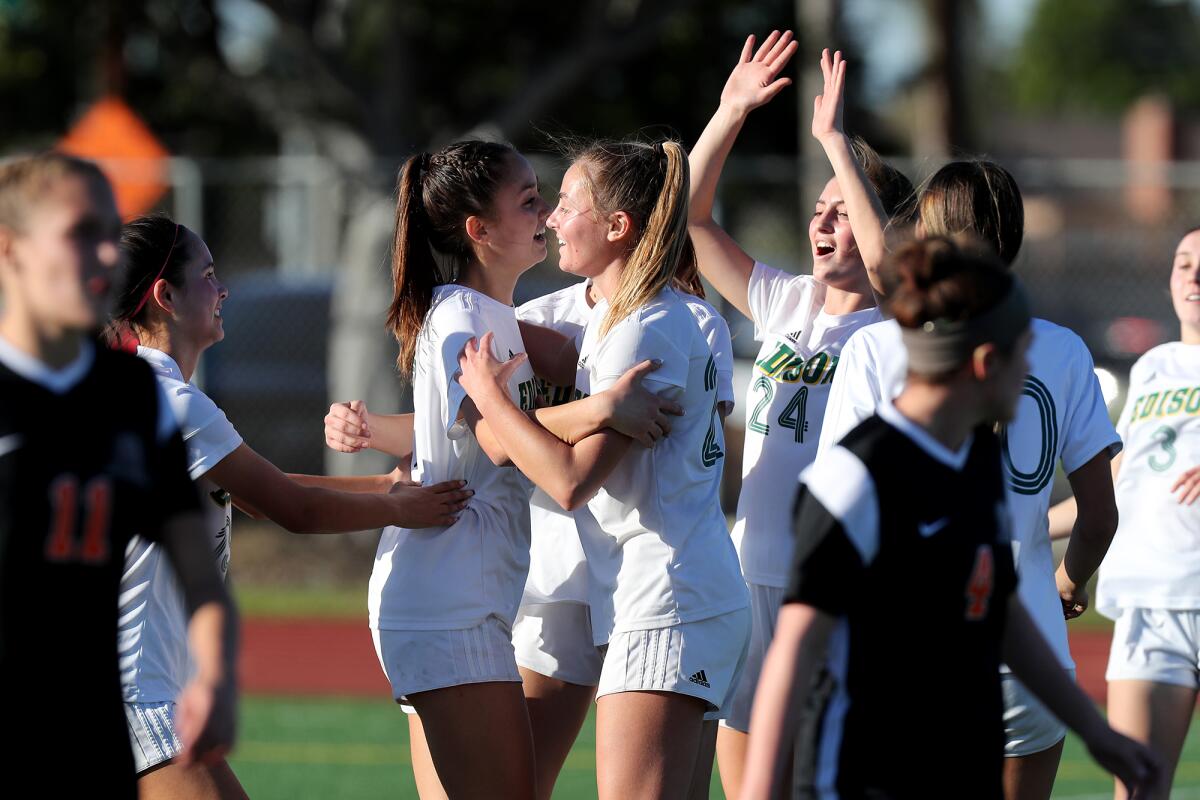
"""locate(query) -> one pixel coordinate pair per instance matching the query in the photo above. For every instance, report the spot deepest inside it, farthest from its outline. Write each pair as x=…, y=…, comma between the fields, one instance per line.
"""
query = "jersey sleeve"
x=1088, y=430
x=632, y=342
x=208, y=435
x=837, y=533
x=454, y=325
x=774, y=295
x=716, y=333
x=854, y=394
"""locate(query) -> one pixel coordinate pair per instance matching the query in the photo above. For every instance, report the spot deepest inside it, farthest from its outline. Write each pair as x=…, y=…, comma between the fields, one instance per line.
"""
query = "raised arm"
x=313, y=509
x=570, y=474
x=868, y=220
x=1092, y=532
x=753, y=82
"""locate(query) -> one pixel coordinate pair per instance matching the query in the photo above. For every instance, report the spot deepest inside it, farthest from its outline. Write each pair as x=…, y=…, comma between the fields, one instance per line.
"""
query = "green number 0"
x=1165, y=436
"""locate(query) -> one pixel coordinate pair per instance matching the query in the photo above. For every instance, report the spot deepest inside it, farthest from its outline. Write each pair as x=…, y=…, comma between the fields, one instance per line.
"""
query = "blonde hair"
x=650, y=183
x=25, y=179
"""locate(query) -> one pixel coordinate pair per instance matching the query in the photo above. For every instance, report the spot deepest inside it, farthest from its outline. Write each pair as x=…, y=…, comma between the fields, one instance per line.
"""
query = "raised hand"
x=481, y=372
x=755, y=78
x=640, y=414
x=346, y=429
x=436, y=506
x=827, y=106
x=1188, y=486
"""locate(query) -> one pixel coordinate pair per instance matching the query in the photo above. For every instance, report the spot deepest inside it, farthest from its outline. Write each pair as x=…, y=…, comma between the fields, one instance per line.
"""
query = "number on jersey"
x=64, y=542
x=979, y=586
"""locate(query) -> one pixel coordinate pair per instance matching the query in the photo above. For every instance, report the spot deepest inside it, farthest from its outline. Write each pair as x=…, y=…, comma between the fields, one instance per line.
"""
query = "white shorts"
x=1029, y=727
x=420, y=661
x=151, y=734
x=555, y=640
x=1156, y=644
x=765, y=602
x=701, y=659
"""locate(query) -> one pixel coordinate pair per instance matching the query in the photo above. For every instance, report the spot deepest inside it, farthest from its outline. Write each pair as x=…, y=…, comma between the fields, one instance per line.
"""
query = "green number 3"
x=1165, y=436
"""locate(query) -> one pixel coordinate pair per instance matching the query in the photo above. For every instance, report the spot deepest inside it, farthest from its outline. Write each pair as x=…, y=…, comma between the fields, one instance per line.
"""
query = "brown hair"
x=944, y=279
x=978, y=197
x=894, y=189
x=24, y=179
x=436, y=193
x=650, y=183
x=687, y=274
x=152, y=247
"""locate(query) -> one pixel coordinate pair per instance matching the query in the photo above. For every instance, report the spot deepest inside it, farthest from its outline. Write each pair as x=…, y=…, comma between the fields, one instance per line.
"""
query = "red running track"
x=309, y=657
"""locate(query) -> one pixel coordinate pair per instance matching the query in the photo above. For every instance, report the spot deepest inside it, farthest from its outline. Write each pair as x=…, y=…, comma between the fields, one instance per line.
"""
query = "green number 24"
x=792, y=416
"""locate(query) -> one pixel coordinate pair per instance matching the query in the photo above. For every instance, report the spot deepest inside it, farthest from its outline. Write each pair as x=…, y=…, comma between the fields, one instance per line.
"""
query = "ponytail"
x=415, y=272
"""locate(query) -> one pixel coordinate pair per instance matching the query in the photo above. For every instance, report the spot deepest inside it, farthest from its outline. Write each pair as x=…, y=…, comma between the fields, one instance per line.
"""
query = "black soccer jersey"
x=82, y=467
x=907, y=545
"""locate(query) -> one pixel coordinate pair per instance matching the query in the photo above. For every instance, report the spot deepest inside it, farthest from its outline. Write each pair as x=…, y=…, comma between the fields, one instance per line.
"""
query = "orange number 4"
x=979, y=587
x=62, y=543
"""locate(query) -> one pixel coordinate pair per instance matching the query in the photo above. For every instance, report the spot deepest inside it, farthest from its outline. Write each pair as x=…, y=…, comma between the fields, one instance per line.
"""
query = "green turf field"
x=334, y=748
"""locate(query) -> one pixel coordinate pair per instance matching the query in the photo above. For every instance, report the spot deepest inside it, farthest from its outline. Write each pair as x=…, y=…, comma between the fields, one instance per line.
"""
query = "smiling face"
x=197, y=305
x=1185, y=283
x=585, y=244
x=836, y=261
x=514, y=233
x=58, y=268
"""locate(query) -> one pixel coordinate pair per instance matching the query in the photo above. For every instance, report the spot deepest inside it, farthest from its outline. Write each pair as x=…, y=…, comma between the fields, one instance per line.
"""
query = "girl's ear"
x=163, y=295
x=620, y=227
x=476, y=229
x=983, y=361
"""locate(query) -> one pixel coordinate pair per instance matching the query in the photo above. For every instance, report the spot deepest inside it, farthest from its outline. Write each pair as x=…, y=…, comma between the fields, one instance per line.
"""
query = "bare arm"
x=551, y=354
x=1031, y=660
x=1092, y=533
x=350, y=428
x=311, y=509
x=753, y=82
x=569, y=474
x=206, y=715
x=868, y=220
x=801, y=639
x=353, y=483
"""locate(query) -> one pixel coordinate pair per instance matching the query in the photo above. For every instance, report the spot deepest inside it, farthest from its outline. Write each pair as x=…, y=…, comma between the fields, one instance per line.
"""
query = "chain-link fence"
x=303, y=244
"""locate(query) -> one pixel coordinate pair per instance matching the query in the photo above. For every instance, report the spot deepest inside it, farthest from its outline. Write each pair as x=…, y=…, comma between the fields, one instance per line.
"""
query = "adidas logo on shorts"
x=701, y=679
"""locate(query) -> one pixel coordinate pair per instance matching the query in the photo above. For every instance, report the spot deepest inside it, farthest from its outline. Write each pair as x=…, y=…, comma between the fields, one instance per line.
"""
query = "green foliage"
x=1097, y=56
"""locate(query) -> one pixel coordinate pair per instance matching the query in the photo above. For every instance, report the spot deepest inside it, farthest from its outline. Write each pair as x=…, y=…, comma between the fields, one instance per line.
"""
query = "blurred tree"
x=1099, y=55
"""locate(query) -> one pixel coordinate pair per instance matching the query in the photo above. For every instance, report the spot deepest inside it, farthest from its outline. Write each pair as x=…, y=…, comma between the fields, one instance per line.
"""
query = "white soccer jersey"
x=785, y=403
x=152, y=629
x=1154, y=560
x=1061, y=416
x=557, y=572
x=657, y=549
x=557, y=568
x=456, y=577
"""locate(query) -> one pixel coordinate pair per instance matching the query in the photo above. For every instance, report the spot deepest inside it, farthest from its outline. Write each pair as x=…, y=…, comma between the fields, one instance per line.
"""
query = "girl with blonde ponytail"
x=666, y=597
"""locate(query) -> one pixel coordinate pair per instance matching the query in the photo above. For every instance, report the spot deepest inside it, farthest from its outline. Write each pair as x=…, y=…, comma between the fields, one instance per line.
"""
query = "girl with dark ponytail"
x=168, y=309
x=665, y=594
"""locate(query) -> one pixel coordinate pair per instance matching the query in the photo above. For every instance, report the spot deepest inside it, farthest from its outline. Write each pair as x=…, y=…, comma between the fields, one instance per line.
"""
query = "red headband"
x=150, y=288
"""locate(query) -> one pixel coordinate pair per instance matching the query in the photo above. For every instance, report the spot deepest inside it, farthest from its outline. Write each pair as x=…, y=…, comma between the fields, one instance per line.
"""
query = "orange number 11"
x=62, y=544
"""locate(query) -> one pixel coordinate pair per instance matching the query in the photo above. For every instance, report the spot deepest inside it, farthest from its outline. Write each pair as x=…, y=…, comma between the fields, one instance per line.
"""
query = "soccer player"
x=89, y=455
x=666, y=596
x=902, y=599
x=1062, y=418
x=170, y=302
x=802, y=322
x=1150, y=580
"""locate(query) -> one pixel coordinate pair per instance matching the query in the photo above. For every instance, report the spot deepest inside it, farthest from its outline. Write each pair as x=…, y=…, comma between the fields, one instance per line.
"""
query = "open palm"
x=827, y=106
x=755, y=79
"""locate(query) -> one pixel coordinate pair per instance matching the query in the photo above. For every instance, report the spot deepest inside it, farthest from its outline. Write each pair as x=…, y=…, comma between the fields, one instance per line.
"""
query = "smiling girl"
x=170, y=303
x=665, y=595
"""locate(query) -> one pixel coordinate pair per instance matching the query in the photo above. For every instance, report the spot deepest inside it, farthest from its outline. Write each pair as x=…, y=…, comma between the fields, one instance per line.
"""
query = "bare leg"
x=557, y=710
x=1157, y=714
x=702, y=773
x=479, y=738
x=647, y=744
x=1031, y=777
x=731, y=759
x=194, y=782
x=429, y=786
